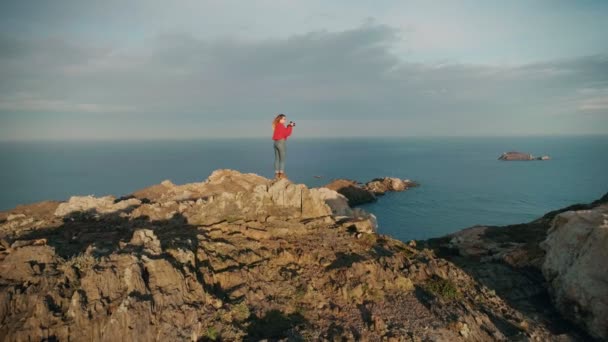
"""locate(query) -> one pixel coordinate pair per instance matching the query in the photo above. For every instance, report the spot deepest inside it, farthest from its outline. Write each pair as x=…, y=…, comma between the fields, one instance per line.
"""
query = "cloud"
x=593, y=100
x=30, y=104
x=320, y=75
x=598, y=103
x=179, y=73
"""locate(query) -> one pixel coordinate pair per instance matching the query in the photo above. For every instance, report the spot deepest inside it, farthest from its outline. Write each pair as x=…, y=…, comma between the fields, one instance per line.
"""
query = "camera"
x=291, y=123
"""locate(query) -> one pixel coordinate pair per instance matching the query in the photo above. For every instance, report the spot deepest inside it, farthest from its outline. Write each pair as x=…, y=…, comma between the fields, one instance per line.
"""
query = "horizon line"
x=304, y=138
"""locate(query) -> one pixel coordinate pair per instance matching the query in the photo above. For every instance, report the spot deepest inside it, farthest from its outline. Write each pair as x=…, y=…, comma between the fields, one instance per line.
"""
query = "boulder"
x=147, y=239
x=367, y=225
x=381, y=185
x=102, y=205
x=575, y=267
x=354, y=192
x=469, y=242
x=336, y=201
x=24, y=264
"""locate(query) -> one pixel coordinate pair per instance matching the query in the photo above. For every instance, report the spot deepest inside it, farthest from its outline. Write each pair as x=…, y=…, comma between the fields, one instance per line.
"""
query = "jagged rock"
x=22, y=243
x=509, y=260
x=352, y=190
x=236, y=257
x=146, y=239
x=367, y=222
x=103, y=205
x=17, y=222
x=183, y=256
x=361, y=225
x=12, y=217
x=26, y=264
x=469, y=242
x=379, y=186
x=336, y=201
x=359, y=194
x=233, y=181
x=157, y=211
x=473, y=242
x=575, y=267
x=36, y=210
x=170, y=286
x=282, y=199
x=167, y=183
x=222, y=180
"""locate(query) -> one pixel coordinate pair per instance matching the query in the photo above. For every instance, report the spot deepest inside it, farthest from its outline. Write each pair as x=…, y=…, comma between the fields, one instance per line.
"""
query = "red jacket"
x=281, y=132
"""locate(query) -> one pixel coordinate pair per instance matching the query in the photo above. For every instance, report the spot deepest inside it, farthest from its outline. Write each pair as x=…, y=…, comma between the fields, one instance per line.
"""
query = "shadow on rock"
x=275, y=325
x=345, y=260
x=104, y=233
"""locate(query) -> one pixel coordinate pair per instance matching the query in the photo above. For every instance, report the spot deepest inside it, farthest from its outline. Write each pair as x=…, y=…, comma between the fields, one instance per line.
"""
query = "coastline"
x=464, y=185
x=239, y=255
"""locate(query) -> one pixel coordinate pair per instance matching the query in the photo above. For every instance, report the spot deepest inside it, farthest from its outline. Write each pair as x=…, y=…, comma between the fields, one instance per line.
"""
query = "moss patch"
x=443, y=288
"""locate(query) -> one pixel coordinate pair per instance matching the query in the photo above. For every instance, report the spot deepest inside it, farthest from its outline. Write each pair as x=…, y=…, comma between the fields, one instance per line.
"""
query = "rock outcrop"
x=520, y=156
x=379, y=186
x=547, y=268
x=351, y=190
x=575, y=266
x=236, y=257
x=358, y=193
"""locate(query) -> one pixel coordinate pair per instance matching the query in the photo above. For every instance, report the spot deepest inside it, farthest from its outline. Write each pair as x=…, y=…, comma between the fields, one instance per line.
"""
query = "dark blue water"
x=462, y=182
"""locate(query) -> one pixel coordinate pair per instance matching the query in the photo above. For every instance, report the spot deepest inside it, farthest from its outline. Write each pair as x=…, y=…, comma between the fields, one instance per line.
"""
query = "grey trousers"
x=279, y=155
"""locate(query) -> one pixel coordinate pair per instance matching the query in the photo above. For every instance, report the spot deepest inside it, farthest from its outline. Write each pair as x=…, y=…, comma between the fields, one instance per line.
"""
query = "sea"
x=462, y=182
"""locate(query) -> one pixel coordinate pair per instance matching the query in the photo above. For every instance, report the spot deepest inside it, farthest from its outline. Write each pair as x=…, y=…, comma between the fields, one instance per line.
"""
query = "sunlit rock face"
x=575, y=267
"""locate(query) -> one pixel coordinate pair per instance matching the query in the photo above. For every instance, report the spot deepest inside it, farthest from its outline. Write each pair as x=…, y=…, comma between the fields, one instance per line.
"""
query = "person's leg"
x=282, y=151
x=276, y=158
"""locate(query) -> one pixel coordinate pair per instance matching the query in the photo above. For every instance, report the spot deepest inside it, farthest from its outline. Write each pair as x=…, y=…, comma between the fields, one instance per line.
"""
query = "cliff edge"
x=235, y=257
x=552, y=268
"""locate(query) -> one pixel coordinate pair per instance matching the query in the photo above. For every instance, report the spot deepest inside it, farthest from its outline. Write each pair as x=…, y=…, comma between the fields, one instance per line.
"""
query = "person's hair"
x=276, y=120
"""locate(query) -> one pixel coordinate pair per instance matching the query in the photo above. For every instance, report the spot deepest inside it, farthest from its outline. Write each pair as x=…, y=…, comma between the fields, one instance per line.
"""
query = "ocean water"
x=462, y=182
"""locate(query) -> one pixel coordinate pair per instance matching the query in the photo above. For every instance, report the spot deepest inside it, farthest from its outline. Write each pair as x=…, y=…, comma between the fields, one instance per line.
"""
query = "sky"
x=151, y=69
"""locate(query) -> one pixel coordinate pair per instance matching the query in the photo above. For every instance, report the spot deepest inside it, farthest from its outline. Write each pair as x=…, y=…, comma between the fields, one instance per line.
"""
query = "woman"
x=280, y=134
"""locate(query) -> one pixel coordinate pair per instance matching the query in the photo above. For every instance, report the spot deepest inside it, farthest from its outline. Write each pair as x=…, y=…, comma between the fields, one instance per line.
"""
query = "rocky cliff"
x=235, y=257
x=575, y=267
x=552, y=268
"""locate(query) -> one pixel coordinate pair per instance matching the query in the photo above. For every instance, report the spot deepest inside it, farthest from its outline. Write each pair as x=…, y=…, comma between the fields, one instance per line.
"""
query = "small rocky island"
x=520, y=156
x=358, y=193
x=241, y=257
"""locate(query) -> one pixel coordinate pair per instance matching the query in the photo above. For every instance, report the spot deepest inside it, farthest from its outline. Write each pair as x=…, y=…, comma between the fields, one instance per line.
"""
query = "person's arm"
x=288, y=131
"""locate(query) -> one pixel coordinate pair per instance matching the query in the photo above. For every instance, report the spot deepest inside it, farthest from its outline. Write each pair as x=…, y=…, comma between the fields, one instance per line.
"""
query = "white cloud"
x=592, y=104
